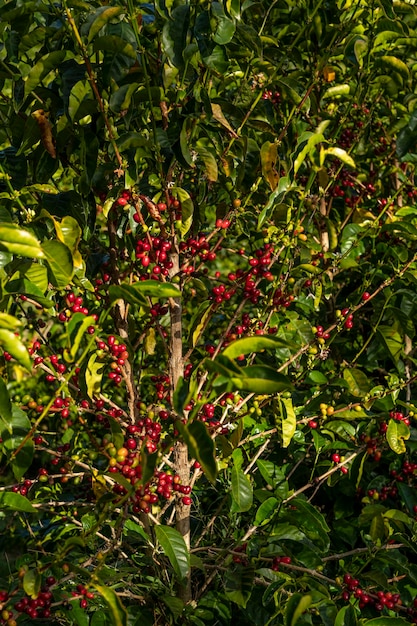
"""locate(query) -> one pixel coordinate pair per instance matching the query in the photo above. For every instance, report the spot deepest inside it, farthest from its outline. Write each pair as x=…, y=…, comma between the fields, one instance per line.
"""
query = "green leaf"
x=395, y=64
x=76, y=330
x=392, y=339
x=397, y=433
x=21, y=242
x=118, y=613
x=261, y=379
x=32, y=581
x=286, y=421
x=135, y=293
x=266, y=511
x=9, y=322
x=198, y=321
x=238, y=585
x=27, y=288
x=60, y=262
x=100, y=19
x=41, y=69
x=174, y=35
x=13, y=432
x=80, y=92
x=174, y=547
x=187, y=208
x=306, y=144
x=15, y=502
x=387, y=621
x=256, y=343
x=358, y=383
x=209, y=159
x=276, y=197
x=200, y=446
x=296, y=606
x=5, y=407
x=13, y=345
x=269, y=155
x=242, y=491
x=340, y=154
x=346, y=617
x=149, y=461
x=115, y=45
x=337, y=90
x=93, y=376
x=225, y=27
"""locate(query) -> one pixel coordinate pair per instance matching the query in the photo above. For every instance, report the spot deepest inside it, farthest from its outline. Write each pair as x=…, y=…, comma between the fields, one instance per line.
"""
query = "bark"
x=176, y=366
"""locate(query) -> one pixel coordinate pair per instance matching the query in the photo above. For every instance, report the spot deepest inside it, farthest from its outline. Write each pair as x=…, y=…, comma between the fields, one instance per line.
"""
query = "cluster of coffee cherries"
x=272, y=96
x=198, y=246
x=154, y=252
x=127, y=461
x=398, y=416
x=277, y=561
x=378, y=600
x=118, y=353
x=34, y=608
x=74, y=304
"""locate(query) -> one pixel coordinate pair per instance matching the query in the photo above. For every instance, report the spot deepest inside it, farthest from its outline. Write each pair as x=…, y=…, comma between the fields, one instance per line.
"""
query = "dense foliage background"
x=208, y=293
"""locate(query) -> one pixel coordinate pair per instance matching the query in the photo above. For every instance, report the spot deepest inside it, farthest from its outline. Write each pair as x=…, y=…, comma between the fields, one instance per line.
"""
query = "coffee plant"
x=208, y=272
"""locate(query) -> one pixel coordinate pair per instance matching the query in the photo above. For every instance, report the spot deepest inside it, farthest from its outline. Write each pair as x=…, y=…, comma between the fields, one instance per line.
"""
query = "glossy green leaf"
x=14, y=430
x=387, y=621
x=60, y=262
x=357, y=381
x=42, y=68
x=115, y=45
x=93, y=375
x=337, y=90
x=395, y=64
x=224, y=26
x=287, y=421
x=306, y=144
x=15, y=502
x=340, y=154
x=135, y=294
x=200, y=446
x=149, y=461
x=296, y=606
x=21, y=242
x=32, y=581
x=80, y=92
x=392, y=340
x=276, y=197
x=9, y=322
x=238, y=585
x=187, y=208
x=199, y=321
x=117, y=611
x=175, y=549
x=5, y=407
x=14, y=346
x=209, y=159
x=77, y=329
x=174, y=35
x=266, y=511
x=261, y=379
x=30, y=290
x=100, y=19
x=242, y=491
x=346, y=616
x=256, y=343
x=397, y=433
